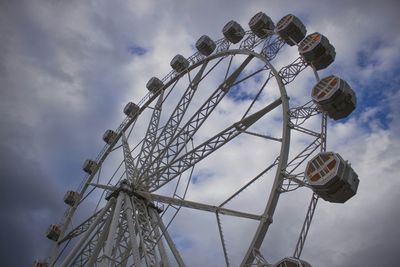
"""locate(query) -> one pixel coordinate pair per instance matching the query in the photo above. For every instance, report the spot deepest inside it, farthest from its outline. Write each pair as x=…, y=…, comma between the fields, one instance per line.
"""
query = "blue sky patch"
x=137, y=50
x=182, y=243
x=364, y=59
x=239, y=94
x=377, y=94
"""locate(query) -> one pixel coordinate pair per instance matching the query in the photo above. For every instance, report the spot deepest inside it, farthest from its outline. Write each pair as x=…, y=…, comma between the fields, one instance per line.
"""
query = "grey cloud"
x=30, y=200
x=65, y=71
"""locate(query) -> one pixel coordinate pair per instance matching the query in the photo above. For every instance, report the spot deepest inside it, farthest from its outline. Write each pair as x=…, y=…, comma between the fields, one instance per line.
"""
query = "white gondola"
x=316, y=50
x=71, y=198
x=261, y=25
x=154, y=84
x=179, y=63
x=331, y=177
x=131, y=109
x=53, y=232
x=109, y=136
x=233, y=32
x=205, y=45
x=291, y=29
x=334, y=96
x=89, y=166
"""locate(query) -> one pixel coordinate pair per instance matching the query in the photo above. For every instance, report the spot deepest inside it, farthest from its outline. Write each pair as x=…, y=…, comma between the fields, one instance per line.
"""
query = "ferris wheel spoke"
x=174, y=121
x=264, y=68
x=196, y=205
x=268, y=137
x=151, y=134
x=288, y=74
x=250, y=182
x=270, y=75
x=130, y=169
x=182, y=137
x=178, y=166
x=229, y=67
x=103, y=186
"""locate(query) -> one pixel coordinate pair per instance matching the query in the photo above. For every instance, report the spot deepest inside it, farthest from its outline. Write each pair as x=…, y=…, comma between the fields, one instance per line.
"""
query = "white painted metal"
x=132, y=233
x=106, y=261
x=131, y=230
x=85, y=237
x=100, y=243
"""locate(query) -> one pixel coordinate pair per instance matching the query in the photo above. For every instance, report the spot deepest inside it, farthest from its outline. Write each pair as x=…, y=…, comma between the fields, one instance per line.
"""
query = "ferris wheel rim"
x=285, y=140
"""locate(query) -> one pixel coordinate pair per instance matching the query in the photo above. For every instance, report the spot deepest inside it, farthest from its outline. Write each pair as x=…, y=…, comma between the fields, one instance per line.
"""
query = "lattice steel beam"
x=273, y=44
x=128, y=160
x=149, y=141
x=186, y=161
x=196, y=205
x=174, y=121
x=83, y=227
x=290, y=72
x=176, y=144
x=306, y=226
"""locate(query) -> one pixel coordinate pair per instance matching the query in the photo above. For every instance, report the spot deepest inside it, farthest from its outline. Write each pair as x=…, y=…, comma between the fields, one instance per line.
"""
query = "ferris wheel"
x=205, y=140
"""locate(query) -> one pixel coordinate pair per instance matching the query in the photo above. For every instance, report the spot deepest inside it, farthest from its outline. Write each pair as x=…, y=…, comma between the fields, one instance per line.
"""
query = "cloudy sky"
x=67, y=68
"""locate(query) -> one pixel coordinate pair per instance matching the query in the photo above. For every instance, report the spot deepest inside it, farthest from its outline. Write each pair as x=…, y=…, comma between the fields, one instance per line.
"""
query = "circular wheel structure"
x=184, y=138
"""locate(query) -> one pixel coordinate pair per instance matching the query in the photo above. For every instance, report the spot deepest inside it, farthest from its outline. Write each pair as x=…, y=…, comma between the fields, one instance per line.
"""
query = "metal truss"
x=259, y=259
x=125, y=233
x=161, y=142
x=129, y=230
x=306, y=226
x=184, y=135
x=250, y=41
x=196, y=205
x=314, y=199
x=178, y=166
x=272, y=46
x=290, y=72
x=151, y=135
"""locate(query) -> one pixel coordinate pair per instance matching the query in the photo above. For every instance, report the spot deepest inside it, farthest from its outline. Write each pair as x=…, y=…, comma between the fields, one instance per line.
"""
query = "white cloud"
x=67, y=69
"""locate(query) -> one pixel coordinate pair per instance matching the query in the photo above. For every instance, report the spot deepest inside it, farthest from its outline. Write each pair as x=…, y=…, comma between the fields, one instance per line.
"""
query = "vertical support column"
x=85, y=237
x=163, y=255
x=129, y=212
x=111, y=234
x=143, y=222
x=170, y=242
x=100, y=243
